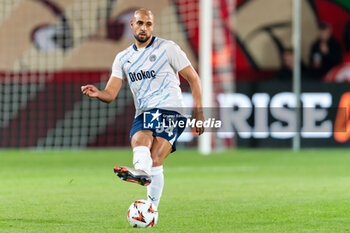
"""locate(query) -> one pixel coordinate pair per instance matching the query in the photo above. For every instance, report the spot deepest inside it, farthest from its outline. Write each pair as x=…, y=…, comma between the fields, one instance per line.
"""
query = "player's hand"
x=90, y=90
x=199, y=117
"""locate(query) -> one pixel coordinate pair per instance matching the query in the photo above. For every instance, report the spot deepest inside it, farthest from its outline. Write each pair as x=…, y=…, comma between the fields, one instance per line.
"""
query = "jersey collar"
x=149, y=45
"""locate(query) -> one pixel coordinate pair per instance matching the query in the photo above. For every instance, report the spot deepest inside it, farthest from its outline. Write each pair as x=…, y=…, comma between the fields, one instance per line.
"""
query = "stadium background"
x=49, y=48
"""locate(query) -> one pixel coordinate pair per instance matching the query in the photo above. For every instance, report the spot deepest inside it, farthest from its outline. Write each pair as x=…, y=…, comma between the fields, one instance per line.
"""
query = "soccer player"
x=151, y=66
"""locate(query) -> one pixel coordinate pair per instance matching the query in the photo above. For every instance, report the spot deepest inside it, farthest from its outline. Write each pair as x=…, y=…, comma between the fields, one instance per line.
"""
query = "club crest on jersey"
x=152, y=58
x=136, y=76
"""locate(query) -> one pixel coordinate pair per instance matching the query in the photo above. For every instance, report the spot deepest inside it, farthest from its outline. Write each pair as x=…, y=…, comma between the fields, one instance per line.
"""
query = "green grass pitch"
x=233, y=191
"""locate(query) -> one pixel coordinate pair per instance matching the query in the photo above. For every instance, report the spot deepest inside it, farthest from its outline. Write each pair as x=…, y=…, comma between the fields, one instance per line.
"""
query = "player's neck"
x=140, y=45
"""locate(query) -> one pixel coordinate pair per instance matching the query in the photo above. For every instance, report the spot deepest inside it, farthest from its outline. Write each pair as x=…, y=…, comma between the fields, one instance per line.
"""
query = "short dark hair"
x=323, y=25
x=288, y=50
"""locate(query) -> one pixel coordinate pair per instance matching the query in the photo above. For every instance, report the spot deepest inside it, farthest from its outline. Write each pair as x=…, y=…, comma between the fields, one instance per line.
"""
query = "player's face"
x=325, y=34
x=142, y=26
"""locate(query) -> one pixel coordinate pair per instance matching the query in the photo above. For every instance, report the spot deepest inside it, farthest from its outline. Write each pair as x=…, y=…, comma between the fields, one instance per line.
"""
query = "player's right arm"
x=113, y=85
x=108, y=94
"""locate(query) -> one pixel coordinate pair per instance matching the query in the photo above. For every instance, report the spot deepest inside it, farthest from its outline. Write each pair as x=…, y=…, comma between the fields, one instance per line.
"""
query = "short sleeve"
x=176, y=57
x=117, y=70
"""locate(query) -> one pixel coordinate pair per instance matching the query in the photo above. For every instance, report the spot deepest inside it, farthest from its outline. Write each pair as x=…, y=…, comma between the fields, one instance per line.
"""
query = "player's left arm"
x=190, y=74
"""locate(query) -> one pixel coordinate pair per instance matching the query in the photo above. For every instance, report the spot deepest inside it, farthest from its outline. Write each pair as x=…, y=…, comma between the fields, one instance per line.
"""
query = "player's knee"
x=141, y=140
x=138, y=142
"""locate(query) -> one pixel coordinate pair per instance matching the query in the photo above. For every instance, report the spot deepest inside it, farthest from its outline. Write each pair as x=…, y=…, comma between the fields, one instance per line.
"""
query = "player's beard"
x=142, y=40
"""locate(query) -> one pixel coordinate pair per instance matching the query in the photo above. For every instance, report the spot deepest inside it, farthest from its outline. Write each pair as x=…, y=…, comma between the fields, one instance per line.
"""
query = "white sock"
x=155, y=189
x=142, y=159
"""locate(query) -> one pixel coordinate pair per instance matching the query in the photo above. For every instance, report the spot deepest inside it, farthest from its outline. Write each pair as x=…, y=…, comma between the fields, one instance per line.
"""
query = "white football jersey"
x=152, y=74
